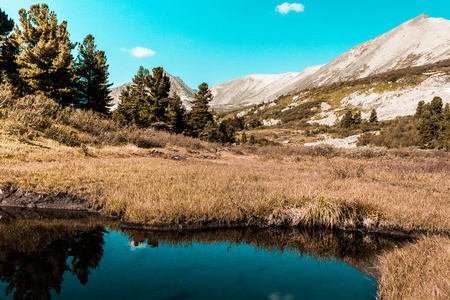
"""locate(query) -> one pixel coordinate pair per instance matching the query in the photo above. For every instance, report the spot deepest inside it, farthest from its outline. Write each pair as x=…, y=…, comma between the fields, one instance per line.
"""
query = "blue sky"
x=219, y=40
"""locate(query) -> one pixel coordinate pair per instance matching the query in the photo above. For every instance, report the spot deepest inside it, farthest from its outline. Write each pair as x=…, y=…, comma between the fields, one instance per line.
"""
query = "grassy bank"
x=418, y=271
x=391, y=191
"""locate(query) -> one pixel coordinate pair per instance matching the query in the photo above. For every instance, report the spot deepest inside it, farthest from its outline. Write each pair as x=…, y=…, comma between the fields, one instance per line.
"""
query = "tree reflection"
x=35, y=271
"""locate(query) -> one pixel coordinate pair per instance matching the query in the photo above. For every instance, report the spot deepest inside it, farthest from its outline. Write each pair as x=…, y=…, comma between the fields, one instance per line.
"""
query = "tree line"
x=434, y=124
x=36, y=57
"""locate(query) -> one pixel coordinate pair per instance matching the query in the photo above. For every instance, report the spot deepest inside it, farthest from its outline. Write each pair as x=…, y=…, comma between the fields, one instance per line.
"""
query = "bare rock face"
x=255, y=89
x=420, y=41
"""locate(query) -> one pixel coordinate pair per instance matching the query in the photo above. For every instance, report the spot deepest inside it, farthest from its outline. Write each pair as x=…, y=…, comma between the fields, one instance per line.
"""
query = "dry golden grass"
x=405, y=192
x=418, y=271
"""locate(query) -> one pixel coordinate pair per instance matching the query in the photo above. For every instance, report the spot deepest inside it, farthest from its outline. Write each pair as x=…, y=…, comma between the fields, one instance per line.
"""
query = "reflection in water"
x=358, y=250
x=34, y=258
x=35, y=255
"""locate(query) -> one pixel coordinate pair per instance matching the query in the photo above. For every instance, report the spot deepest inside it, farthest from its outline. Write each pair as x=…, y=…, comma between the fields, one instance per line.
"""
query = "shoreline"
x=22, y=205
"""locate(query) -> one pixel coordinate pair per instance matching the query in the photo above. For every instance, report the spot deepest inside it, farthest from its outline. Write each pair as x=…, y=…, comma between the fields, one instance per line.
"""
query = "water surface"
x=54, y=261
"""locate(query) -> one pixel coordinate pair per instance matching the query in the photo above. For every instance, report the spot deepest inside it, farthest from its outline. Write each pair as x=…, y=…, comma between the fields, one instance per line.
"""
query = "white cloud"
x=140, y=52
x=286, y=8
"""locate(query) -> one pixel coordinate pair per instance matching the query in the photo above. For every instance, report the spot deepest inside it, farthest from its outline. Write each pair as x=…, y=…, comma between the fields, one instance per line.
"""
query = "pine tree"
x=45, y=60
x=444, y=134
x=430, y=123
x=243, y=138
x=6, y=55
x=6, y=24
x=176, y=113
x=91, y=83
x=159, y=92
x=200, y=115
x=135, y=107
x=373, y=116
x=347, y=121
x=419, y=109
x=357, y=118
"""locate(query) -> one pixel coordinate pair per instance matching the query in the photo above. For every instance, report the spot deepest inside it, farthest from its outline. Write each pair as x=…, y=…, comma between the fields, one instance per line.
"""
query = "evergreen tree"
x=45, y=60
x=200, y=115
x=444, y=134
x=347, y=121
x=135, y=102
x=6, y=56
x=357, y=118
x=430, y=123
x=373, y=116
x=6, y=24
x=159, y=92
x=252, y=140
x=419, y=109
x=176, y=113
x=91, y=83
x=243, y=138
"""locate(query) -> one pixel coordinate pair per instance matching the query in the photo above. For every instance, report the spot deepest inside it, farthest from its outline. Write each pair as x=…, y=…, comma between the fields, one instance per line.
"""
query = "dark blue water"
x=100, y=264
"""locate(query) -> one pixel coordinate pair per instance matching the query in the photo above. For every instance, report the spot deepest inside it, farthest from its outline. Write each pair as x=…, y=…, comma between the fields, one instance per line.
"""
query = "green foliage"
x=176, y=113
x=6, y=26
x=45, y=60
x=91, y=83
x=200, y=115
x=397, y=133
x=135, y=103
x=347, y=120
x=146, y=103
x=434, y=124
x=159, y=85
x=373, y=116
x=252, y=140
x=244, y=138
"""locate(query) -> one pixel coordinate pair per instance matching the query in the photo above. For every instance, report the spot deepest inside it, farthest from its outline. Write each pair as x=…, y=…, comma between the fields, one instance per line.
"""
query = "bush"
x=63, y=134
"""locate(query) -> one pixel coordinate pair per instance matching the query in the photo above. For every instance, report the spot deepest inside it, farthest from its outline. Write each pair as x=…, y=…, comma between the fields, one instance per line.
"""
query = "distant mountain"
x=176, y=85
x=256, y=88
x=420, y=41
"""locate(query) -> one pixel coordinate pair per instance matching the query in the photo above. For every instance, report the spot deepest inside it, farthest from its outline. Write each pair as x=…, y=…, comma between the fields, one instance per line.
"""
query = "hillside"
x=255, y=88
x=390, y=94
x=418, y=42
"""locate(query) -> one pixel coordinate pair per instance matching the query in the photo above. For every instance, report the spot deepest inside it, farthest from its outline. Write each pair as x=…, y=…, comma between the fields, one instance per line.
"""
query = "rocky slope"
x=255, y=88
x=176, y=85
x=420, y=41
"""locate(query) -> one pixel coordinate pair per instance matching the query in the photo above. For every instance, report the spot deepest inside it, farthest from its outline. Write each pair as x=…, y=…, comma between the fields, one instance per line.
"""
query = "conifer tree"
x=419, y=109
x=444, y=135
x=347, y=121
x=6, y=24
x=45, y=60
x=357, y=118
x=159, y=92
x=135, y=105
x=373, y=116
x=176, y=113
x=7, y=56
x=430, y=123
x=91, y=83
x=243, y=138
x=200, y=115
